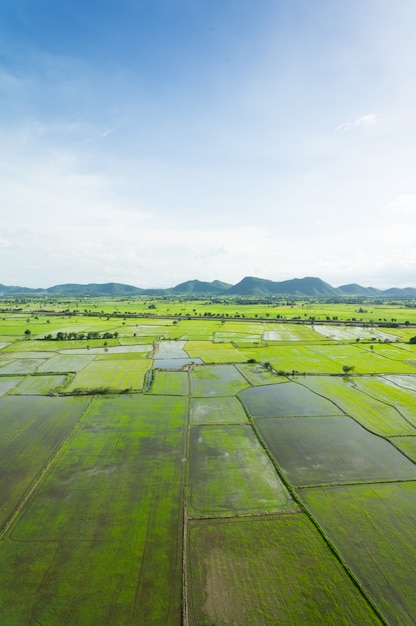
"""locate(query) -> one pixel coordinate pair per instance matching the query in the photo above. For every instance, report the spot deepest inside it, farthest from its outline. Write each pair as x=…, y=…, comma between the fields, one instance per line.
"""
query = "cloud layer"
x=154, y=143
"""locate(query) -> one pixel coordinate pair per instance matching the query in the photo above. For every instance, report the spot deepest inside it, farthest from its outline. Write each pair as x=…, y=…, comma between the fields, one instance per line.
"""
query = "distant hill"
x=394, y=291
x=249, y=286
x=197, y=287
x=94, y=289
x=356, y=290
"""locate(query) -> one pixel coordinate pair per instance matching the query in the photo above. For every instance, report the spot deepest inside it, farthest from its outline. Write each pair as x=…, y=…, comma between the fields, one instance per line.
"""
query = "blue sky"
x=152, y=142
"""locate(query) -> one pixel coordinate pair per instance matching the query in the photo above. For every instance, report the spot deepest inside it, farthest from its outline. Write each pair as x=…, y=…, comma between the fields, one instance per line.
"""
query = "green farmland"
x=218, y=464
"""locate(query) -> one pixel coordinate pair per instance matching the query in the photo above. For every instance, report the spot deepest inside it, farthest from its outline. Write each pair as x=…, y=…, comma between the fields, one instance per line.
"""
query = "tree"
x=347, y=369
x=28, y=333
x=412, y=340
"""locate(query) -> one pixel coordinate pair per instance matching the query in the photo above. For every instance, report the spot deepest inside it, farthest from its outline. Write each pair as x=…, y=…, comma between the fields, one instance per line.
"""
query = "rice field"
x=286, y=399
x=278, y=570
x=332, y=450
x=216, y=380
x=114, y=374
x=207, y=471
x=223, y=410
x=378, y=417
x=230, y=474
x=371, y=526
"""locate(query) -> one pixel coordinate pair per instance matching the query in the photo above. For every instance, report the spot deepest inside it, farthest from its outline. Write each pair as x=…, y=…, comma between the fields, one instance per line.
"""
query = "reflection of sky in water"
x=352, y=332
x=171, y=350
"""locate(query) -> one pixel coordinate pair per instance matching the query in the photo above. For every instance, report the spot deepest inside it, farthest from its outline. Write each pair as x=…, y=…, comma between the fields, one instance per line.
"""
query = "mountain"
x=261, y=287
x=94, y=289
x=356, y=290
x=12, y=290
x=249, y=286
x=395, y=291
x=198, y=287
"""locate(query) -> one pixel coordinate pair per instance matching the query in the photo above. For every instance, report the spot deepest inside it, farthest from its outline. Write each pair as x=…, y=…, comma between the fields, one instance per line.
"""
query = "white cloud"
x=403, y=205
x=365, y=120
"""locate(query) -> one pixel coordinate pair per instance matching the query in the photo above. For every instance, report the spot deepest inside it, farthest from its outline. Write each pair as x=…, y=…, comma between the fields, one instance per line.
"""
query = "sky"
x=150, y=142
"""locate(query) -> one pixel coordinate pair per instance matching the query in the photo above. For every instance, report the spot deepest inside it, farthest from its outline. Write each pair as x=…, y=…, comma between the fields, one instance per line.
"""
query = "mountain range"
x=247, y=287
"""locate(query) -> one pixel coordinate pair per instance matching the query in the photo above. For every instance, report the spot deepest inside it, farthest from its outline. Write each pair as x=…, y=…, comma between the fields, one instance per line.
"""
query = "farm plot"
x=293, y=358
x=146, y=341
x=408, y=382
x=404, y=400
x=303, y=332
x=139, y=350
x=395, y=352
x=126, y=353
x=276, y=570
x=22, y=366
x=230, y=474
x=8, y=356
x=285, y=400
x=63, y=363
x=214, y=353
x=236, y=337
x=175, y=364
x=39, y=385
x=364, y=361
x=31, y=431
x=226, y=410
x=351, y=333
x=247, y=328
x=286, y=332
x=7, y=383
x=407, y=445
x=257, y=374
x=50, y=347
x=372, y=528
x=216, y=380
x=332, y=450
x=109, y=518
x=378, y=417
x=114, y=374
x=170, y=383
x=170, y=350
x=193, y=330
